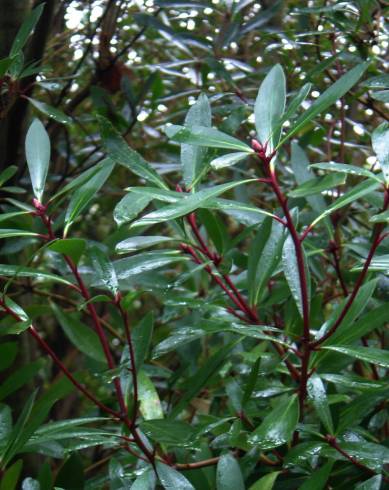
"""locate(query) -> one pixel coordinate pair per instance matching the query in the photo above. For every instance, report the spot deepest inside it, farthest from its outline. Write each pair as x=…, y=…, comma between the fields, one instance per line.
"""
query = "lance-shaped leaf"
x=38, y=156
x=119, y=151
x=193, y=158
x=73, y=247
x=380, y=142
x=171, y=479
x=20, y=271
x=327, y=98
x=26, y=29
x=129, y=207
x=346, y=169
x=104, y=270
x=368, y=354
x=228, y=160
x=270, y=106
x=148, y=261
x=290, y=266
x=189, y=203
x=10, y=233
x=317, y=185
x=50, y=111
x=317, y=394
x=140, y=242
x=203, y=136
x=149, y=402
x=85, y=194
x=278, y=426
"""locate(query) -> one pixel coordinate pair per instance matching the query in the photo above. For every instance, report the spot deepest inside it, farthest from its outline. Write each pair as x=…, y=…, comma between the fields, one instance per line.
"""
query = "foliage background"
x=141, y=66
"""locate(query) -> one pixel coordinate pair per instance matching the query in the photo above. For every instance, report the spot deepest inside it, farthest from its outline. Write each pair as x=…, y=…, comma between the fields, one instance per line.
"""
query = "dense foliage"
x=195, y=254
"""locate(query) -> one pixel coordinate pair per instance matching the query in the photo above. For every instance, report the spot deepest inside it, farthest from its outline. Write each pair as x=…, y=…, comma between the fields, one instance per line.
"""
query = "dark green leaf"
x=129, y=207
x=373, y=483
x=71, y=474
x=317, y=394
x=140, y=242
x=50, y=111
x=20, y=377
x=7, y=173
x=319, y=478
x=72, y=247
x=26, y=29
x=316, y=186
x=368, y=354
x=19, y=271
x=347, y=169
x=270, y=106
x=278, y=426
x=147, y=261
x=81, y=336
x=327, y=98
x=9, y=233
x=171, y=479
x=104, y=270
x=10, y=478
x=204, y=136
x=266, y=482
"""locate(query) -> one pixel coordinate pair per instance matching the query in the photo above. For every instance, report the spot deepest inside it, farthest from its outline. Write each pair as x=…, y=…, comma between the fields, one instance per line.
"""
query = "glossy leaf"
x=72, y=247
x=81, y=336
x=270, y=106
x=367, y=354
x=149, y=402
x=146, y=481
x=357, y=192
x=346, y=169
x=129, y=207
x=171, y=479
x=292, y=274
x=188, y=204
x=119, y=151
x=140, y=242
x=7, y=173
x=147, y=261
x=228, y=160
x=317, y=394
x=316, y=186
x=278, y=426
x=104, y=270
x=319, y=478
x=373, y=483
x=327, y=98
x=204, y=136
x=193, y=158
x=38, y=156
x=84, y=194
x=50, y=111
x=26, y=29
x=19, y=271
x=228, y=474
x=10, y=233
x=380, y=143
x=266, y=482
x=11, y=476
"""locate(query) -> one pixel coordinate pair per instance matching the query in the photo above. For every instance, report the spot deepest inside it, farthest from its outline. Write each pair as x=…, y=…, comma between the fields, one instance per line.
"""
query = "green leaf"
x=104, y=270
x=38, y=156
x=119, y=151
x=72, y=247
x=266, y=482
x=319, y=478
x=317, y=394
x=140, y=242
x=278, y=426
x=10, y=233
x=129, y=207
x=368, y=354
x=7, y=173
x=264, y=257
x=228, y=160
x=146, y=481
x=81, y=336
x=357, y=192
x=50, y=111
x=197, y=382
x=141, y=339
x=149, y=403
x=26, y=29
x=204, y=136
x=380, y=218
x=316, y=186
x=5, y=63
x=147, y=261
x=5, y=424
x=327, y=98
x=189, y=203
x=10, y=478
x=193, y=158
x=71, y=474
x=170, y=432
x=19, y=271
x=8, y=351
x=291, y=271
x=228, y=474
x=347, y=169
x=373, y=483
x=270, y=106
x=380, y=143
x=18, y=432
x=171, y=479
x=381, y=95
x=20, y=377
x=296, y=102
x=85, y=194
